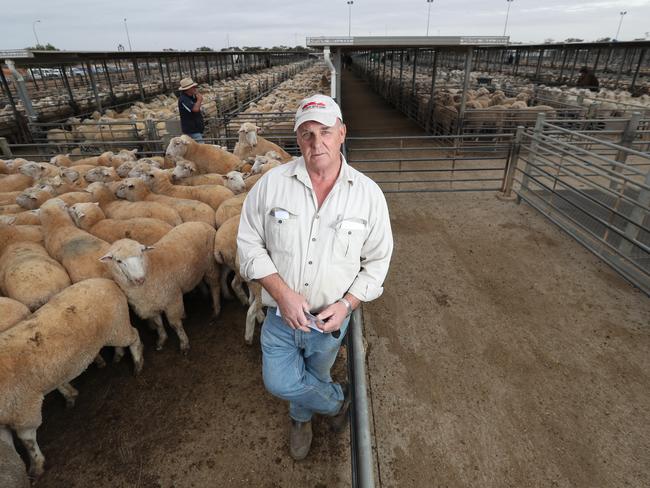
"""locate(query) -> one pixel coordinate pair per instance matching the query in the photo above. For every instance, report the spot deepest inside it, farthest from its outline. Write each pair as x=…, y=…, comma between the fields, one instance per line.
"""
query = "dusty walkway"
x=502, y=353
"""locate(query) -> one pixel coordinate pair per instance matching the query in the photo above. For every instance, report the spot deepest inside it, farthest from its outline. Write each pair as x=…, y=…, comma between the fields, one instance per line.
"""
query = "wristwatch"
x=347, y=304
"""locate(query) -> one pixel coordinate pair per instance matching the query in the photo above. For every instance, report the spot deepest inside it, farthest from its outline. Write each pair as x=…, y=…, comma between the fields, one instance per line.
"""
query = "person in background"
x=189, y=108
x=587, y=79
x=316, y=234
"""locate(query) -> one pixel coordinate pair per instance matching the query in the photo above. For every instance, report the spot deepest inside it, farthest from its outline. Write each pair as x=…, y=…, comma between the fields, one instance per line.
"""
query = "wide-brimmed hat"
x=186, y=84
x=319, y=108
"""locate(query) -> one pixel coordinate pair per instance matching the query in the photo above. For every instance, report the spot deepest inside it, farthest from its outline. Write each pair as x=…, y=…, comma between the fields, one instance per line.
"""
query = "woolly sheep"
x=91, y=218
x=13, y=312
x=16, y=182
x=23, y=218
x=77, y=250
x=123, y=210
x=55, y=345
x=185, y=173
x=250, y=144
x=103, y=174
x=208, y=159
x=10, y=234
x=155, y=278
x=28, y=274
x=236, y=182
x=213, y=195
x=135, y=190
x=230, y=208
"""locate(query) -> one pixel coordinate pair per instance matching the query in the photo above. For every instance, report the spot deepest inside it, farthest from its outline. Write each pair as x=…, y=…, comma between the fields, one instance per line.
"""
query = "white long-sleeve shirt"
x=345, y=246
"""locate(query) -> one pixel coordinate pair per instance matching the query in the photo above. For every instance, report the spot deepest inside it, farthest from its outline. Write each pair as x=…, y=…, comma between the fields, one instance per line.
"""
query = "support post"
x=466, y=80
x=93, y=85
x=138, y=78
x=432, y=102
x=21, y=87
x=509, y=173
x=413, y=98
x=627, y=139
x=638, y=68
x=534, y=146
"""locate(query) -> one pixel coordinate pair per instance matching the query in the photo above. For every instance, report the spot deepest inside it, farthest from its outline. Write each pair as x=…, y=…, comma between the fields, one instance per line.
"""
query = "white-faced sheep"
x=185, y=173
x=214, y=195
x=115, y=208
x=251, y=144
x=77, y=250
x=105, y=174
x=208, y=159
x=135, y=190
x=28, y=274
x=236, y=182
x=91, y=218
x=55, y=345
x=155, y=278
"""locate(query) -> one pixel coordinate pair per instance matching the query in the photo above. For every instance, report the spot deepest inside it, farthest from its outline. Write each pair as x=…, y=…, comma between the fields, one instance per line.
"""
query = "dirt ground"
x=201, y=421
x=502, y=353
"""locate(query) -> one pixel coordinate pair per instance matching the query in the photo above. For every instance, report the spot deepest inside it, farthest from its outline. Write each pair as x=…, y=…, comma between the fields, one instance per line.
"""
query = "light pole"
x=505, y=27
x=618, y=31
x=350, y=2
x=128, y=38
x=34, y=30
x=429, y=15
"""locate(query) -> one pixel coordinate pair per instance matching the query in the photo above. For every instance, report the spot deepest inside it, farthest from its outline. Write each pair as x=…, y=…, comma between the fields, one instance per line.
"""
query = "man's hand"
x=333, y=316
x=293, y=307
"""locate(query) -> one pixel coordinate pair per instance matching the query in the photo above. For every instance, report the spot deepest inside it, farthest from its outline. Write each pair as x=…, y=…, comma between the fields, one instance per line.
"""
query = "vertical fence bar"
x=509, y=173
x=534, y=146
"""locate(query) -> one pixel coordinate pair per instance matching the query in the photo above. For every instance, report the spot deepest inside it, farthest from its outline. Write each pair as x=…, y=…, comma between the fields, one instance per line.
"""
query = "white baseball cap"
x=319, y=108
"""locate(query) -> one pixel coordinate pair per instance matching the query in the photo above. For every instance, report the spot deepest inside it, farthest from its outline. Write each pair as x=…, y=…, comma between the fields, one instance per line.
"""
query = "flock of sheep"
x=509, y=101
x=82, y=240
x=136, y=122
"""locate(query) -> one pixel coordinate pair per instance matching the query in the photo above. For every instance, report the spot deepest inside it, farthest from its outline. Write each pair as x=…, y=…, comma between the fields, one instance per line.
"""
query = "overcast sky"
x=154, y=25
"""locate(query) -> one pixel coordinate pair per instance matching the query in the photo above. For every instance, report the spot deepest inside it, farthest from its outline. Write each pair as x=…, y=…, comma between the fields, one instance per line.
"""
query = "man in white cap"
x=316, y=234
x=189, y=108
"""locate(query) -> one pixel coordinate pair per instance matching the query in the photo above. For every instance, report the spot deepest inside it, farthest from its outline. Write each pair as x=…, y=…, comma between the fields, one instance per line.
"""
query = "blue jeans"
x=197, y=136
x=296, y=367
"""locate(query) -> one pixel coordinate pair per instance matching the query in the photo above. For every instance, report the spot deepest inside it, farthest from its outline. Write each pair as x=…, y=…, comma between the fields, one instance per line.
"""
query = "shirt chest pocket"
x=349, y=236
x=281, y=231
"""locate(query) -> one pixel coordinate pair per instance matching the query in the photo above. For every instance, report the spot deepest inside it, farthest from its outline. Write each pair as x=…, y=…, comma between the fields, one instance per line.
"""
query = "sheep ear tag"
x=106, y=257
x=148, y=248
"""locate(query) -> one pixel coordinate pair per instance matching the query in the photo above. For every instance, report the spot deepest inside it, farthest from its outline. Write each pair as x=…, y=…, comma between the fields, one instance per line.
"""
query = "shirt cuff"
x=364, y=290
x=260, y=267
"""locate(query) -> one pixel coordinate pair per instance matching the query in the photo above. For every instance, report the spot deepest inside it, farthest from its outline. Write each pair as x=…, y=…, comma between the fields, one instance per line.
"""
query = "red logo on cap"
x=311, y=105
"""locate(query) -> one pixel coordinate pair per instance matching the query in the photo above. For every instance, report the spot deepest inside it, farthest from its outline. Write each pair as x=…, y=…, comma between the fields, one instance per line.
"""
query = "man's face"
x=319, y=144
x=191, y=91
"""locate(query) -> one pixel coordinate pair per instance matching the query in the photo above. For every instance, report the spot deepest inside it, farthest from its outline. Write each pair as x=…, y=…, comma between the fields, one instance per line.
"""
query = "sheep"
x=213, y=195
x=54, y=346
x=9, y=197
x=208, y=159
x=225, y=253
x=17, y=182
x=39, y=170
x=155, y=278
x=103, y=174
x=77, y=250
x=140, y=168
x=185, y=172
x=237, y=184
x=23, y=218
x=12, y=468
x=13, y=312
x=135, y=190
x=91, y=218
x=250, y=144
x=229, y=208
x=122, y=210
x=10, y=209
x=10, y=234
x=28, y=274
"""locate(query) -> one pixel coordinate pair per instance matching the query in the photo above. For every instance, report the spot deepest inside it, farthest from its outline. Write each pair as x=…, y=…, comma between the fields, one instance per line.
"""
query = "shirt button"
x=349, y=232
x=310, y=262
x=317, y=216
x=313, y=238
x=279, y=221
x=306, y=284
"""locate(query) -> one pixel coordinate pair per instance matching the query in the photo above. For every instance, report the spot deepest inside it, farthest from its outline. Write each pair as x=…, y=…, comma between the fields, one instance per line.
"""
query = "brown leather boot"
x=300, y=439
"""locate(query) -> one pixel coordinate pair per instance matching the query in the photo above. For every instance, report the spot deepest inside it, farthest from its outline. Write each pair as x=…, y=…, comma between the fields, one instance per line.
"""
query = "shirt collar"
x=299, y=170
